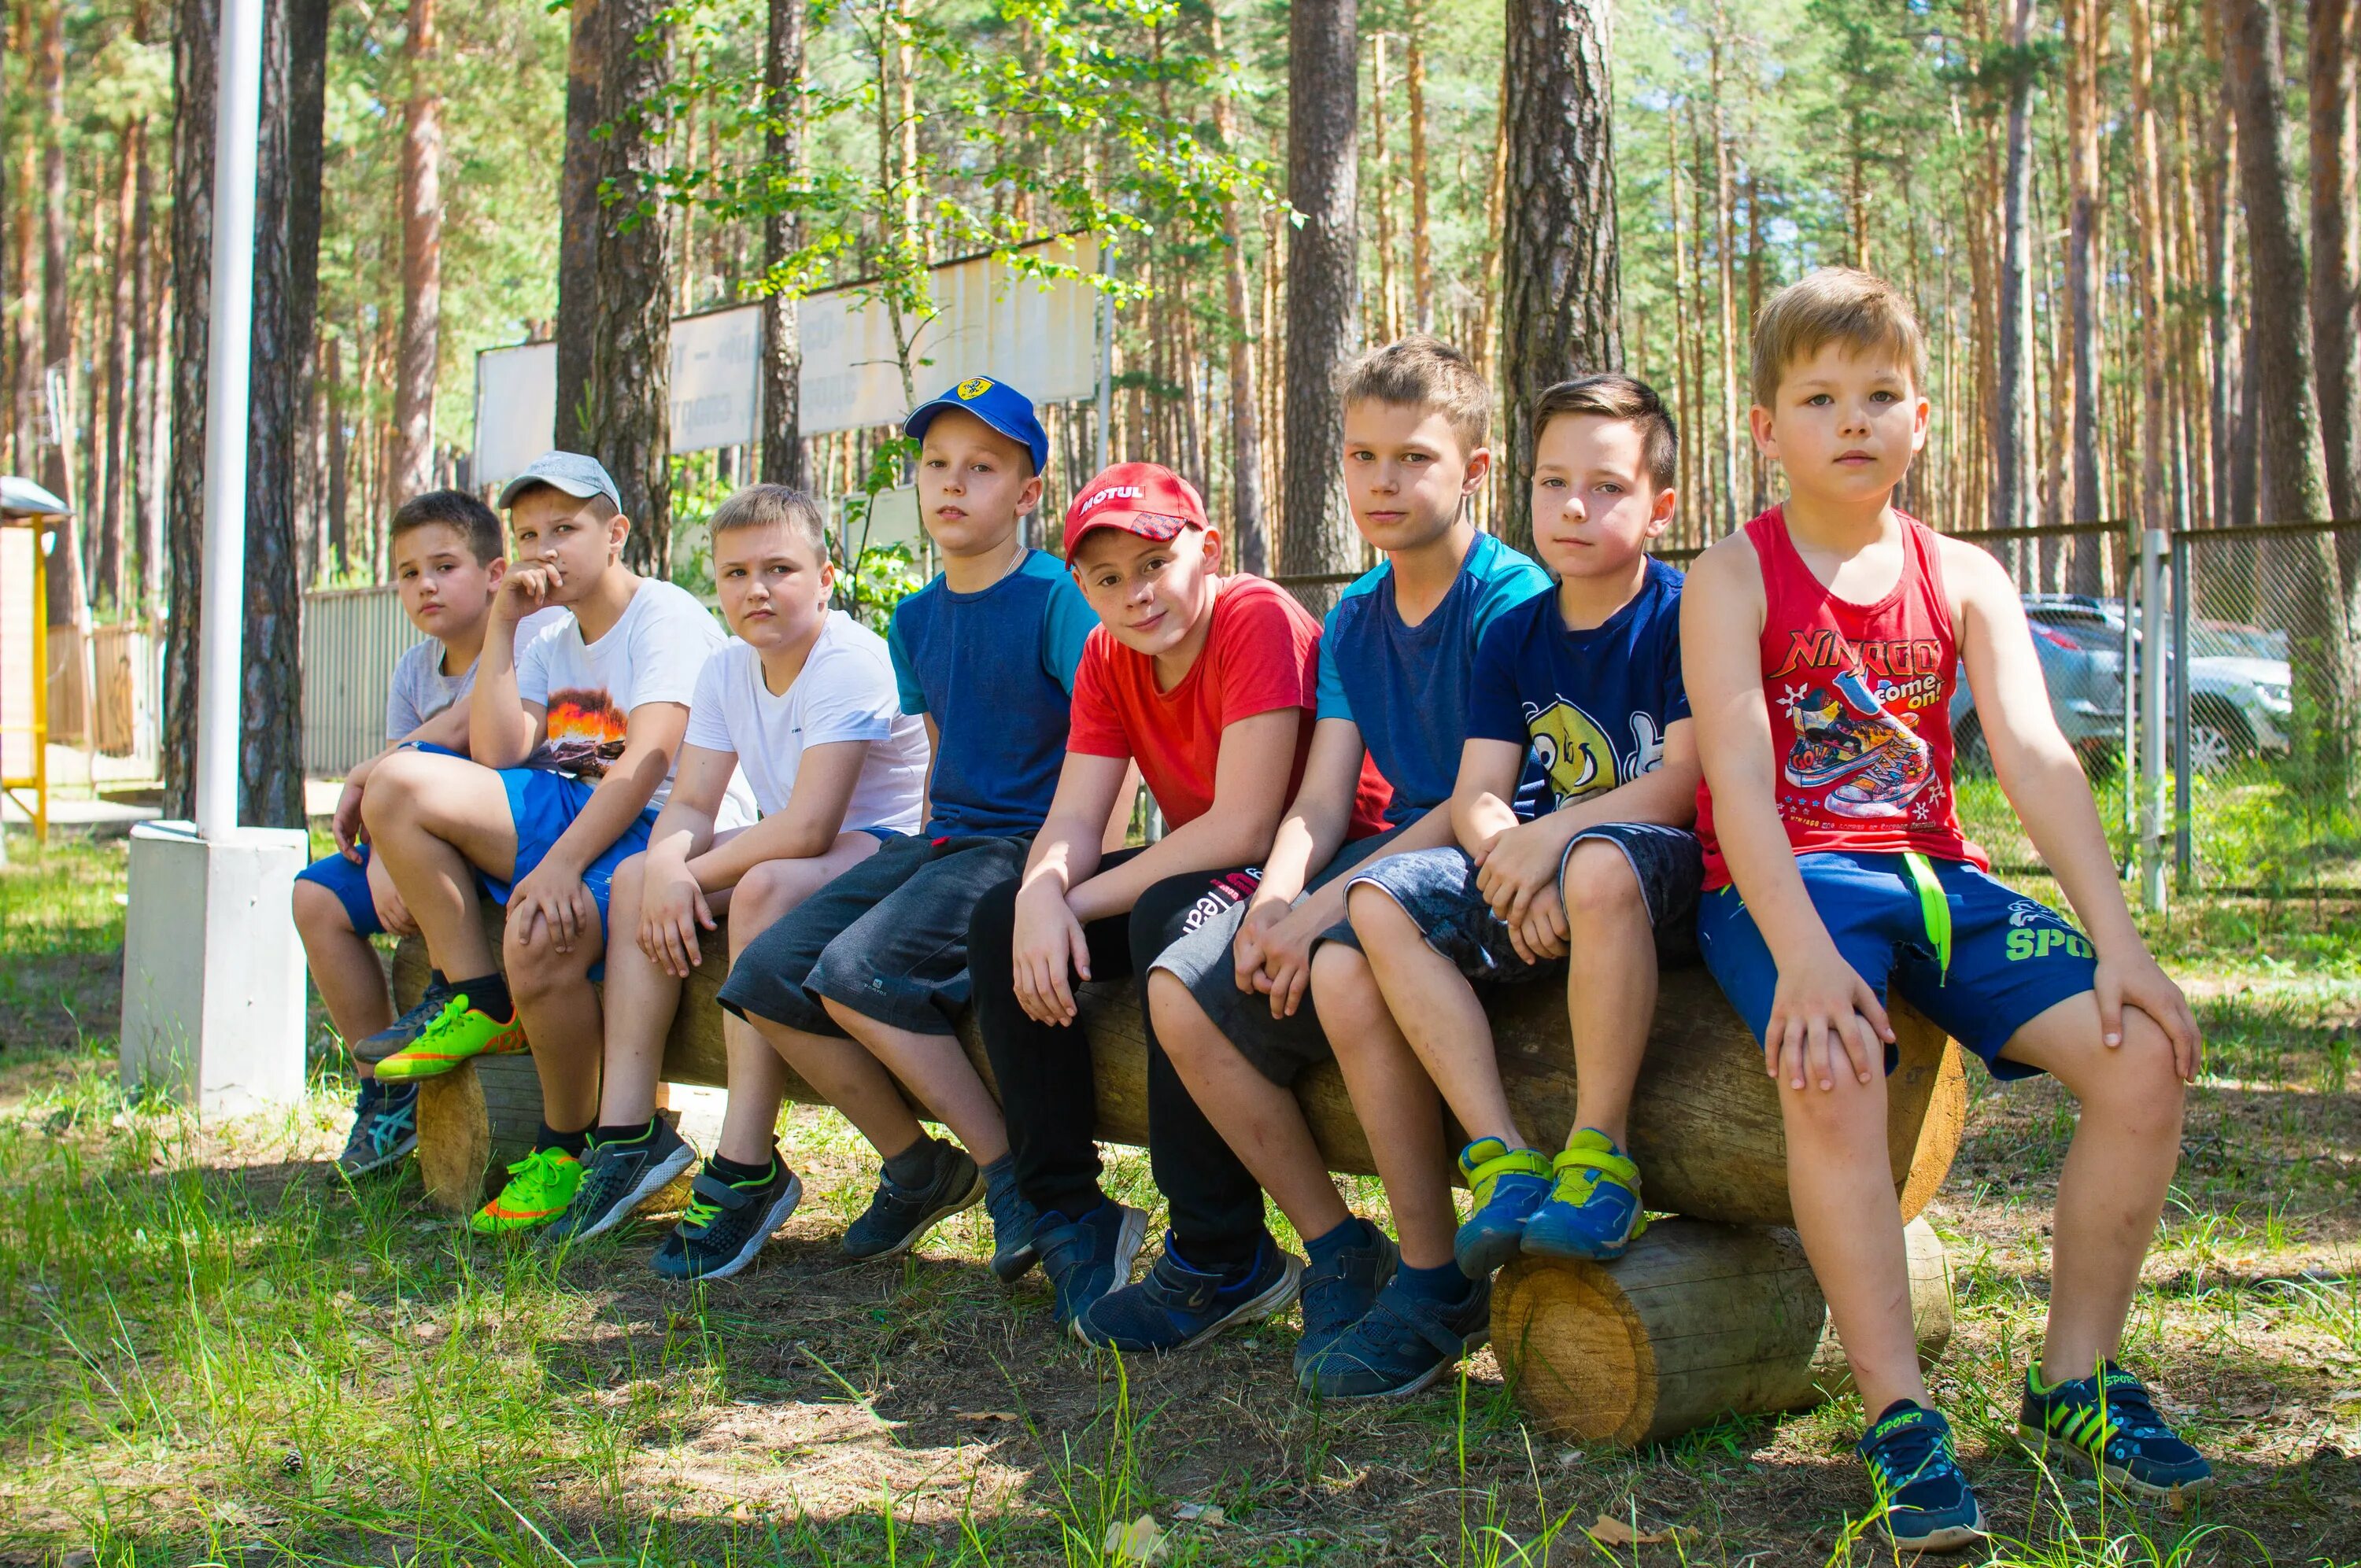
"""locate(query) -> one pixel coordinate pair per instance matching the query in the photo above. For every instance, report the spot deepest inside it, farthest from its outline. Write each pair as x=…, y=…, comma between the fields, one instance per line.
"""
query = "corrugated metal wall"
x=351, y=638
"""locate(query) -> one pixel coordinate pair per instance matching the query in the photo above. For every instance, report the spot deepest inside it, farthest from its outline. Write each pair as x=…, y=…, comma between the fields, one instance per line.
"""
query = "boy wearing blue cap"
x=573, y=736
x=858, y=987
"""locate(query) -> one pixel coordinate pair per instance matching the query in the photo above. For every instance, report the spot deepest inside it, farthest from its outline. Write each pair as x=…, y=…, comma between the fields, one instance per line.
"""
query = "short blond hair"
x=1422, y=371
x=773, y=506
x=1835, y=304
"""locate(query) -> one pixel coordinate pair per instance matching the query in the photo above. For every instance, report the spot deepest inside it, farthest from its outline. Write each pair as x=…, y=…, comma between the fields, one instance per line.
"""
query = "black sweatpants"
x=1047, y=1088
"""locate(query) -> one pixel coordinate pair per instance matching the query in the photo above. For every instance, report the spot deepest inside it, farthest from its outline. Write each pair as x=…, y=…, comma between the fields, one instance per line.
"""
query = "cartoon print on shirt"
x=1846, y=736
x=585, y=733
x=1574, y=752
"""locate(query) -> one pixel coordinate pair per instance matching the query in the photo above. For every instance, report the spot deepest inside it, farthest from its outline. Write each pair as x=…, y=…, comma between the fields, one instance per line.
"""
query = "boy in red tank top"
x=1822, y=647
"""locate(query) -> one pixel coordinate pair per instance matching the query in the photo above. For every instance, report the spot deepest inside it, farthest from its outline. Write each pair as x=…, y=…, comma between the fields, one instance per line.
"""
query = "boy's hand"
x=391, y=912
x=1048, y=944
x=557, y=894
x=1246, y=953
x=671, y=909
x=2141, y=984
x=346, y=821
x=1542, y=935
x=525, y=589
x=1821, y=1009
x=1521, y=865
x=1287, y=954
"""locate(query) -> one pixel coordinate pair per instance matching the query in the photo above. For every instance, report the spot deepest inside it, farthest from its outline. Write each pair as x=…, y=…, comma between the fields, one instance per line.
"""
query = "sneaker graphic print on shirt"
x=1869, y=760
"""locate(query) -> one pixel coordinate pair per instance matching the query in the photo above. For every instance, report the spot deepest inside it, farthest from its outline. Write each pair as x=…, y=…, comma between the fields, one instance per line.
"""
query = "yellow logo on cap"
x=974, y=387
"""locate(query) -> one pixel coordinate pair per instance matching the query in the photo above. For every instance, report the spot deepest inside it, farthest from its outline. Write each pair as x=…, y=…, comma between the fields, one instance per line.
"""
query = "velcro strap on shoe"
x=1620, y=1167
x=1515, y=1162
x=1421, y=1316
x=719, y=1193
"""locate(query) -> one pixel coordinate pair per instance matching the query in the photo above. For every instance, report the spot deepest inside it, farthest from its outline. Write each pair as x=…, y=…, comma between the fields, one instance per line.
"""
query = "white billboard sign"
x=1038, y=336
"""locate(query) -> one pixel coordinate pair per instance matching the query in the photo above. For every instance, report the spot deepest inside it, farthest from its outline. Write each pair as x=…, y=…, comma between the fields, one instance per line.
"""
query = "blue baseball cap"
x=996, y=403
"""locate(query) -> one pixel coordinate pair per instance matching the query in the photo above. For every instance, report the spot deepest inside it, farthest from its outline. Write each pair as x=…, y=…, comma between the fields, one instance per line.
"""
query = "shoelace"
x=451, y=1013
x=387, y=1130
x=1911, y=1452
x=1327, y=1301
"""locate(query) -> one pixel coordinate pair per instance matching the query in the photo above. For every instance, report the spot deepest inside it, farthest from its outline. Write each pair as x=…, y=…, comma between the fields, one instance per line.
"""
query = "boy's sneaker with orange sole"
x=459, y=1033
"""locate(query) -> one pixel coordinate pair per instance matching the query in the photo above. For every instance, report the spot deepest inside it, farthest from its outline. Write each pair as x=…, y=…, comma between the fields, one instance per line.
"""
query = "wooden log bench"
x=1710, y=1313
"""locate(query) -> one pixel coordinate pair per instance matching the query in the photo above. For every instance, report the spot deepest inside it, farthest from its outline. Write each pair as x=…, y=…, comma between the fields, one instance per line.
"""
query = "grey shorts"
x=1436, y=888
x=1279, y=1048
x=888, y=939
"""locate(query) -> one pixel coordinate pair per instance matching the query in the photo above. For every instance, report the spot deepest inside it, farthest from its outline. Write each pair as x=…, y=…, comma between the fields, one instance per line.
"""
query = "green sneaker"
x=1593, y=1209
x=540, y=1186
x=1509, y=1185
x=458, y=1033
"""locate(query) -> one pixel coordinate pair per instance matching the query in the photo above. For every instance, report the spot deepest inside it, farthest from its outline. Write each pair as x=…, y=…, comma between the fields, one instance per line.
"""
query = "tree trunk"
x=581, y=222
x=2147, y=198
x=108, y=583
x=632, y=431
x=69, y=601
x=147, y=404
x=1559, y=268
x=421, y=261
x=339, y=458
x=1421, y=248
x=285, y=291
x=2336, y=252
x=2294, y=480
x=2014, y=452
x=1324, y=287
x=1248, y=528
x=2085, y=40
x=783, y=351
x=1726, y=282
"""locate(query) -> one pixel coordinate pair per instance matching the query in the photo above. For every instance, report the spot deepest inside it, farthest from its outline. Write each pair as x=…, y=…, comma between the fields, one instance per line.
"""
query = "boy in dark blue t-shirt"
x=1585, y=685
x=860, y=986
x=1235, y=1002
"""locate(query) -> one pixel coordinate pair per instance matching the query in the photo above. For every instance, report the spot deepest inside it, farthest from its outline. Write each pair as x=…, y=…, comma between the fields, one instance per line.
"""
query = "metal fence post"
x=2184, y=873
x=2126, y=584
x=2154, y=542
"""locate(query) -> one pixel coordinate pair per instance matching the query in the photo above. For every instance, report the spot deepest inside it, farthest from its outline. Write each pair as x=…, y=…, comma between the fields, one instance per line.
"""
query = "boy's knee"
x=1839, y=1115
x=319, y=912
x=392, y=785
x=1599, y=884
x=629, y=878
x=1340, y=974
x=2139, y=1086
x=534, y=965
x=1377, y=918
x=1180, y=1020
x=774, y=887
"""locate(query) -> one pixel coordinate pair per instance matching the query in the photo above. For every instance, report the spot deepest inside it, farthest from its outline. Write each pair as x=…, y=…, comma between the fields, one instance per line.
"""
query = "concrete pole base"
x=213, y=971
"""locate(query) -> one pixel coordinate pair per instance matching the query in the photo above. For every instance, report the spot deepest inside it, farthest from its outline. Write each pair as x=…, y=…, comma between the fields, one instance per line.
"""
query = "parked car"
x=2081, y=646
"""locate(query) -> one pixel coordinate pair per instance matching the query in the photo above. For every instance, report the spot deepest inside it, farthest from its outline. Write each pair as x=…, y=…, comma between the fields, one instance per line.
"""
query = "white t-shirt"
x=419, y=690
x=845, y=692
x=651, y=654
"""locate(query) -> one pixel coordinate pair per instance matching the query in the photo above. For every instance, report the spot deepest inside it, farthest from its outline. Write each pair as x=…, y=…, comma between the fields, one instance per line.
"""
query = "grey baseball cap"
x=572, y=472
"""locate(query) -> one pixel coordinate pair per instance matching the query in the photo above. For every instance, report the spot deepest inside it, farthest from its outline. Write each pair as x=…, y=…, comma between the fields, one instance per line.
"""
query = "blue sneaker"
x=1509, y=1185
x=1086, y=1258
x=1177, y=1306
x=1339, y=1294
x=385, y=1127
x=1593, y=1209
x=1014, y=1221
x=1922, y=1494
x=2106, y=1423
x=1401, y=1344
x=403, y=1032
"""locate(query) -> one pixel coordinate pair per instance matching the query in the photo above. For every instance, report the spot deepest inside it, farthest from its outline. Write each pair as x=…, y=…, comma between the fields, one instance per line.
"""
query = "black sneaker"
x=898, y=1215
x=1340, y=1294
x=1086, y=1258
x=1014, y=1221
x=1178, y=1306
x=1921, y=1491
x=2107, y=1424
x=403, y=1032
x=385, y=1129
x=727, y=1223
x=617, y=1178
x=1402, y=1343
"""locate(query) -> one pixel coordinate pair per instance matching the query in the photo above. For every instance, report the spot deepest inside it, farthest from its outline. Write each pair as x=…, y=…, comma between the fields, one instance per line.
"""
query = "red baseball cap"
x=1146, y=498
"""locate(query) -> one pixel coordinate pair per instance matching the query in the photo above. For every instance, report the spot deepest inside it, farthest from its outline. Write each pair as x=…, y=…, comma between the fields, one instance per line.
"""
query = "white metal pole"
x=2155, y=645
x=237, y=133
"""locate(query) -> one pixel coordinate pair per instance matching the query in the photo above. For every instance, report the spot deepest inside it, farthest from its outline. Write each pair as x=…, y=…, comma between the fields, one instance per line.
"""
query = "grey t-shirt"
x=419, y=690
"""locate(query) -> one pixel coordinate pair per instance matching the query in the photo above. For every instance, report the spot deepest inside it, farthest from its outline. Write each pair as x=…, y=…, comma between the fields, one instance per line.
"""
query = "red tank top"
x=1860, y=707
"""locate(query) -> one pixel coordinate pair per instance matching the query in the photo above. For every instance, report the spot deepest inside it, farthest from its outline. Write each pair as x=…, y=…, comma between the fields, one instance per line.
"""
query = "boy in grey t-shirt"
x=448, y=558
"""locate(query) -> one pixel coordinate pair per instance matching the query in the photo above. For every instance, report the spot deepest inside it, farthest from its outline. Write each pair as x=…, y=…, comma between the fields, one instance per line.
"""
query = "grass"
x=212, y=1352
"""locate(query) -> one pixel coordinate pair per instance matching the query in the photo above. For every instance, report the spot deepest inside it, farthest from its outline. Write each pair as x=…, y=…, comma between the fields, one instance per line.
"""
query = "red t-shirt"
x=1262, y=654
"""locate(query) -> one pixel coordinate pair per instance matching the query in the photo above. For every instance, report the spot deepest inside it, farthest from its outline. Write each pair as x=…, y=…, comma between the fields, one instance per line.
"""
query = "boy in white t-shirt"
x=573, y=738
x=806, y=704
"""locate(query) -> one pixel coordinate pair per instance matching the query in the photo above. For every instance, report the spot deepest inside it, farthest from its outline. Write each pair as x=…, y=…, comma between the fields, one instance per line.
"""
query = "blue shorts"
x=543, y=806
x=349, y=882
x=2013, y=958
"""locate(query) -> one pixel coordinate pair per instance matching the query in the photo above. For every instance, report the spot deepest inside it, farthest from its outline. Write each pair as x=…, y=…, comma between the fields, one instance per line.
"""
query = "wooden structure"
x=1711, y=1312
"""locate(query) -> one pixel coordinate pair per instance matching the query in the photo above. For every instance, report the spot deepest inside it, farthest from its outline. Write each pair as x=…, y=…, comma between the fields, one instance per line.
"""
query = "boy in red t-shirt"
x=1821, y=646
x=1210, y=683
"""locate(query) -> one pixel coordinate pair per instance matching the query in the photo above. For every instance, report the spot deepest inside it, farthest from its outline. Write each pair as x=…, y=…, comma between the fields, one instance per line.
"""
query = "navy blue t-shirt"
x=1407, y=687
x=1593, y=706
x=995, y=669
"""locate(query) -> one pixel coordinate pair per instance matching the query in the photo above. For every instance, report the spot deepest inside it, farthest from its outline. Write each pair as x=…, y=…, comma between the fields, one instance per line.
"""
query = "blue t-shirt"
x=1407, y=687
x=1593, y=706
x=996, y=668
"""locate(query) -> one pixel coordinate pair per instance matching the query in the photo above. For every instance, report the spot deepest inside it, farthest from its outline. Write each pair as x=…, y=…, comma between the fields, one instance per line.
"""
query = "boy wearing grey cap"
x=573, y=736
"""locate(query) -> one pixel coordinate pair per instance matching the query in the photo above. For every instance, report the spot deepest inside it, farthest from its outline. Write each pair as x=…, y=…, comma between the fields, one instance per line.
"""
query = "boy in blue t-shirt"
x=1585, y=684
x=860, y=986
x=1228, y=1001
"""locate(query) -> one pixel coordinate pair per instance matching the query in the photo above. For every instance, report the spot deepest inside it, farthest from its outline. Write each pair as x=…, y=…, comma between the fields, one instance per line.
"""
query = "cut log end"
x=1695, y=1322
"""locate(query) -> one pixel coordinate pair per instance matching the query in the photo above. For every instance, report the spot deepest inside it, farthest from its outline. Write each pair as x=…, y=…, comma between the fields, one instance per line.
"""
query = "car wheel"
x=2218, y=737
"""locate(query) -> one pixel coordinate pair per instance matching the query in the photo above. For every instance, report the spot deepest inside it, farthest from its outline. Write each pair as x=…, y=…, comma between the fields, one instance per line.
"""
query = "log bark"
x=1559, y=270
x=783, y=349
x=1706, y=1125
x=631, y=431
x=1697, y=1321
x=578, y=228
x=420, y=353
x=1323, y=284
